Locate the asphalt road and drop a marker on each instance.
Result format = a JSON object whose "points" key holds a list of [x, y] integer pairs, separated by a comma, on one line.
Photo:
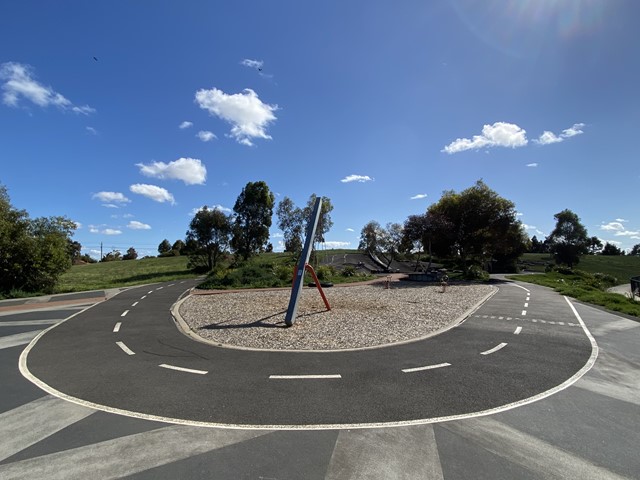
{"points": [[584, 429]]}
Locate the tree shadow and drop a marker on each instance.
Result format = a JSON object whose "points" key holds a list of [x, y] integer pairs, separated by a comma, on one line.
{"points": [[260, 323]]}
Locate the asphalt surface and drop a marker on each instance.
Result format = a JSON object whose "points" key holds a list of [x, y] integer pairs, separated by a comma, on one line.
{"points": [[81, 358], [590, 429]]}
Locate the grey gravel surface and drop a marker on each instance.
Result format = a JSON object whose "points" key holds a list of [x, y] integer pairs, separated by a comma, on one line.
{"points": [[360, 316]]}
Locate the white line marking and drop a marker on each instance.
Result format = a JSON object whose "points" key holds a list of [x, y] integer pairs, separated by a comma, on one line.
{"points": [[494, 349], [124, 314], [500, 318], [526, 305], [518, 330], [159, 288], [560, 323], [302, 377], [143, 297], [528, 298], [519, 286], [134, 304], [428, 367], [149, 293], [508, 318], [125, 349], [524, 312], [182, 369], [10, 341], [116, 329], [29, 323], [171, 285]]}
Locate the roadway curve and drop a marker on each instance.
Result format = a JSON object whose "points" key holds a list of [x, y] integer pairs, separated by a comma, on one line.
{"points": [[121, 356]]}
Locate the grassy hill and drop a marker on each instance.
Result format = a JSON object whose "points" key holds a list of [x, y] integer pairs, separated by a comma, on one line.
{"points": [[123, 273], [622, 267]]}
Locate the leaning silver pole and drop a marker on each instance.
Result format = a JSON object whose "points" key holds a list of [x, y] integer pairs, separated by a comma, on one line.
{"points": [[298, 282]]}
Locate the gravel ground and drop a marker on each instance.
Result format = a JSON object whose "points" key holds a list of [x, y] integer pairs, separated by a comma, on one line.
{"points": [[360, 316]]}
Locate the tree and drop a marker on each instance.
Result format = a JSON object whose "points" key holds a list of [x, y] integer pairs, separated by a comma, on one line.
{"points": [[635, 250], [381, 243], [594, 245], [33, 252], [74, 249], [324, 221], [417, 234], [477, 227], [112, 256], [611, 249], [131, 254], [164, 247], [290, 222], [208, 237], [253, 209], [569, 239], [178, 247]]}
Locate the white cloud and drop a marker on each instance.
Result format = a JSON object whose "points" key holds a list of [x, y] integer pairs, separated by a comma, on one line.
{"points": [[519, 214], [185, 124], [356, 178], [104, 231], [500, 134], [532, 165], [135, 225], [213, 207], [111, 231], [350, 230], [78, 225], [627, 233], [612, 226], [548, 138], [419, 196], [576, 129], [110, 205], [206, 136], [155, 193], [190, 170], [111, 198], [19, 82], [622, 220], [127, 215], [257, 64], [91, 130], [248, 116], [529, 227], [336, 244]]}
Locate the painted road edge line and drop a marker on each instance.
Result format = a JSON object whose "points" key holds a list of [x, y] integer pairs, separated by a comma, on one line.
{"points": [[302, 377], [182, 369], [116, 329], [125, 349], [428, 367], [494, 349]]}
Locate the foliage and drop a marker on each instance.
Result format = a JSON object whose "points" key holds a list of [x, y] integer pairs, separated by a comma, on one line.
{"points": [[620, 267], [291, 223], [33, 252], [253, 209], [112, 256], [131, 254], [178, 247], [476, 226], [611, 249], [210, 232], [164, 247], [324, 221], [86, 258], [635, 250], [569, 239], [74, 248], [594, 245]]}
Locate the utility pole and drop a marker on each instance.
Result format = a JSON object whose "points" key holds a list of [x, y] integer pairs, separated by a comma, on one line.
{"points": [[100, 251]]}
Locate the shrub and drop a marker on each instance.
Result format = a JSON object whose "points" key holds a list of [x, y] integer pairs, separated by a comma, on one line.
{"points": [[349, 271]]}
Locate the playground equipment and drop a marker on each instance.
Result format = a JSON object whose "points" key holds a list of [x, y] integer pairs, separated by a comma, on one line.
{"points": [[303, 265]]}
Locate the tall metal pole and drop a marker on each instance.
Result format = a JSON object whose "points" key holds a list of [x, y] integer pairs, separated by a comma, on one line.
{"points": [[304, 259]]}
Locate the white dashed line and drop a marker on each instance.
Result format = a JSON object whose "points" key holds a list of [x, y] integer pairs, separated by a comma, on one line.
{"points": [[149, 293], [524, 312], [116, 329], [302, 377], [124, 314], [526, 305], [182, 369], [428, 367], [518, 330], [134, 304], [171, 285], [159, 288], [125, 349], [494, 349], [143, 297]]}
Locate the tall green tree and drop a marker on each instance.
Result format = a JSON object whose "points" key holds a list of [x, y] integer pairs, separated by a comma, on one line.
{"points": [[611, 249], [569, 239], [253, 211], [208, 236], [131, 254], [635, 250], [594, 245], [291, 223], [164, 247], [477, 227], [324, 222], [33, 252], [381, 243]]}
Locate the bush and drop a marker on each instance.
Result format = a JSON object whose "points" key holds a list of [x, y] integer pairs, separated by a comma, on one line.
{"points": [[349, 271], [476, 273], [325, 272]]}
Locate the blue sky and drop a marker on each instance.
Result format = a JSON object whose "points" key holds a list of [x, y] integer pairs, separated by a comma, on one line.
{"points": [[128, 116]]}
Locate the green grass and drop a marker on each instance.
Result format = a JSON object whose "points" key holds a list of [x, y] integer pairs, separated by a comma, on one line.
{"points": [[622, 267], [585, 287], [124, 273]]}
